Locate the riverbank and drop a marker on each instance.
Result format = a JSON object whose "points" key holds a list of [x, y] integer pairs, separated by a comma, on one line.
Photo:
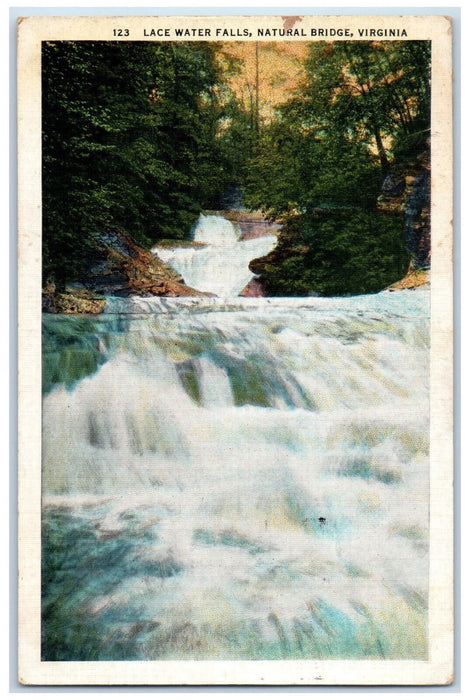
{"points": [[176, 268], [412, 280], [122, 269]]}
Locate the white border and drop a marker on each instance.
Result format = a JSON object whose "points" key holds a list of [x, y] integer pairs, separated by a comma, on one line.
{"points": [[438, 669]]}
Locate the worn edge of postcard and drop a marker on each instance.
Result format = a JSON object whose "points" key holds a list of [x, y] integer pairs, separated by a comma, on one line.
{"points": [[438, 668]]}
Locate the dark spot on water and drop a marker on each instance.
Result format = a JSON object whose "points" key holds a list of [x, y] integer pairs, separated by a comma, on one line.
{"points": [[187, 375], [332, 524], [143, 627], [108, 534], [93, 436]]}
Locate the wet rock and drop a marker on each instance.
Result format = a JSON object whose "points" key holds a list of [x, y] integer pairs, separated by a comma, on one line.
{"points": [[71, 301], [122, 269], [254, 288]]}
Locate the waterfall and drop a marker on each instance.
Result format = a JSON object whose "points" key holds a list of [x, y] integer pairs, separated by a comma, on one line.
{"points": [[221, 267], [237, 478]]}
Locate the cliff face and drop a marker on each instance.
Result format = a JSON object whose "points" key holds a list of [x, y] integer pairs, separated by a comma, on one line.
{"points": [[122, 268], [408, 189]]}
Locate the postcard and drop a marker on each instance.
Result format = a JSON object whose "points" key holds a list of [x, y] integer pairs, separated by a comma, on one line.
{"points": [[235, 350]]}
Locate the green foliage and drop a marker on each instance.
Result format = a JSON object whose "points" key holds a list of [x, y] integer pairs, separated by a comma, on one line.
{"points": [[363, 110], [297, 170], [129, 140], [236, 139], [338, 253], [369, 91], [144, 136]]}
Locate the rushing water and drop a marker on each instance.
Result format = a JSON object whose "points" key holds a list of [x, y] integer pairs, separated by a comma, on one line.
{"points": [[237, 478], [221, 267]]}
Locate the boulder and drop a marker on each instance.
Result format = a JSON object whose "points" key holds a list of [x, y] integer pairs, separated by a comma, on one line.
{"points": [[121, 268]]}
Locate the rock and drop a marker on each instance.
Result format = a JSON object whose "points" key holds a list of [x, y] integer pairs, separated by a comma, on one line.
{"points": [[122, 269], [412, 280], [252, 224], [393, 186], [254, 288], [79, 301], [408, 189], [252, 228], [418, 228]]}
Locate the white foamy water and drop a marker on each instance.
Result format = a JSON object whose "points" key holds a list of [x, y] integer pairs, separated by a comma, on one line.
{"points": [[222, 266], [242, 478]]}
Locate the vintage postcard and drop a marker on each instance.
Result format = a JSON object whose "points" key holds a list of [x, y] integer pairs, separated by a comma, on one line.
{"points": [[235, 348]]}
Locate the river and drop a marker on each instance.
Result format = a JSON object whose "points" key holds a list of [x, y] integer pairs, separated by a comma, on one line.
{"points": [[229, 477]]}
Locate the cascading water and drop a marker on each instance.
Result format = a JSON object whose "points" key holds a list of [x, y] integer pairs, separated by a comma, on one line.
{"points": [[222, 266], [240, 478]]}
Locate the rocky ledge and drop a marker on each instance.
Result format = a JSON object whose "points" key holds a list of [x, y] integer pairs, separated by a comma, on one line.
{"points": [[407, 188], [121, 268], [252, 224], [412, 280]]}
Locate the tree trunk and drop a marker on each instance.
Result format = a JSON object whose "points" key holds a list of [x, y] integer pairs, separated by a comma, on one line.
{"points": [[257, 87], [380, 147]]}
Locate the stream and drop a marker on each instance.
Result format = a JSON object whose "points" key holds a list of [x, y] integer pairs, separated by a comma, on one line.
{"points": [[236, 478]]}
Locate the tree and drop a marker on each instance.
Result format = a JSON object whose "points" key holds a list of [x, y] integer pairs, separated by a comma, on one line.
{"points": [[362, 110], [130, 140], [369, 91]]}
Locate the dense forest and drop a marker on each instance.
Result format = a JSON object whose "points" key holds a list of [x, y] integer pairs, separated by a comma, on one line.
{"points": [[142, 137]]}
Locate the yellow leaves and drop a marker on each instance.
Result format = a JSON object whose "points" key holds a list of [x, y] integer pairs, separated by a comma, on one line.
{"points": [[280, 71]]}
